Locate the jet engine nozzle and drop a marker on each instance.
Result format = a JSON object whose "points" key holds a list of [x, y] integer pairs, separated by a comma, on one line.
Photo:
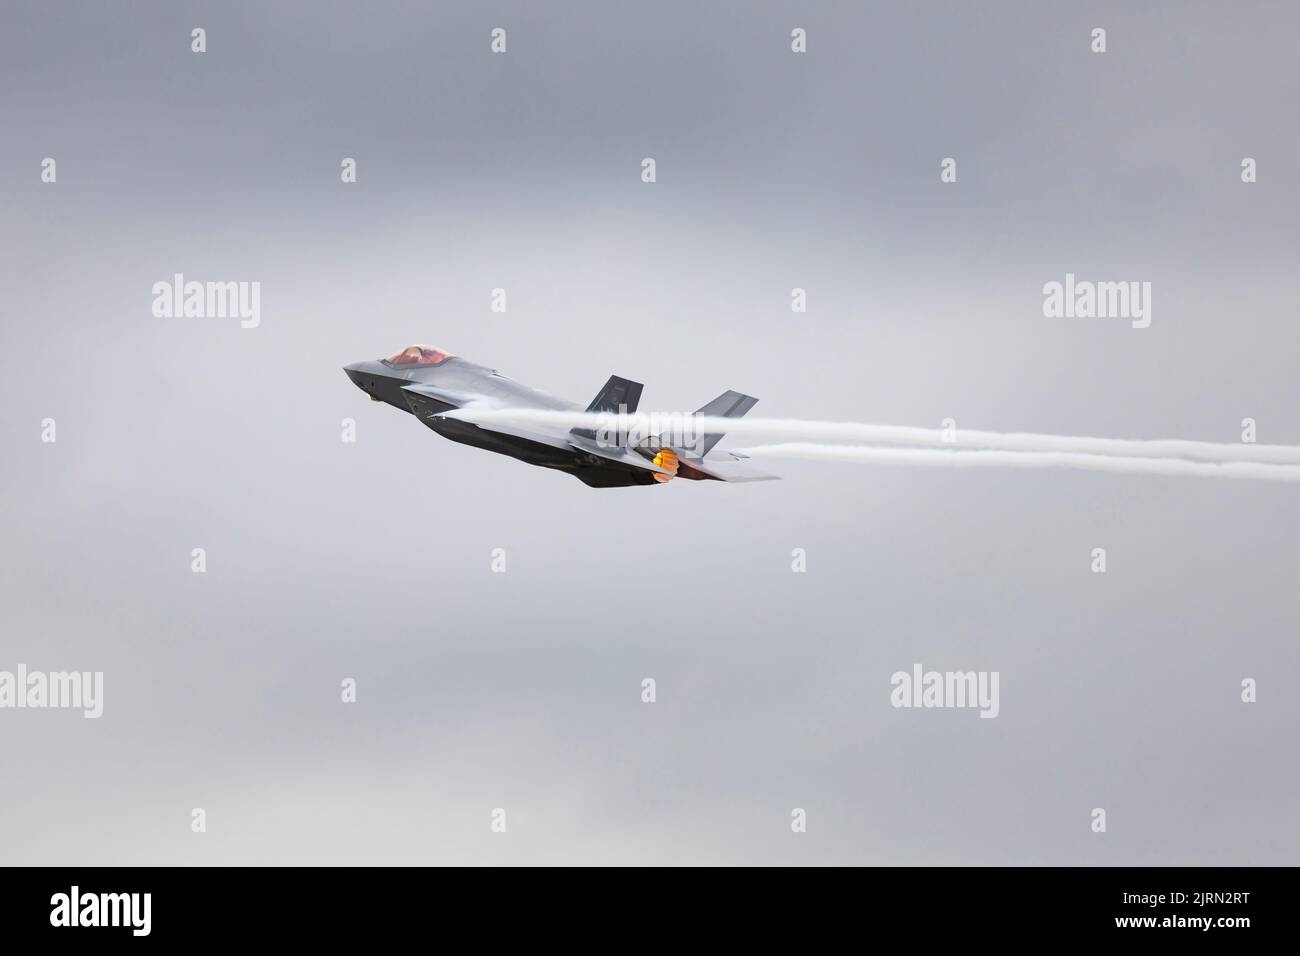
{"points": [[666, 459]]}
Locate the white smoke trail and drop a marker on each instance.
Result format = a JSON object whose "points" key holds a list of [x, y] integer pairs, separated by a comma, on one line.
{"points": [[667, 424], [1026, 459]]}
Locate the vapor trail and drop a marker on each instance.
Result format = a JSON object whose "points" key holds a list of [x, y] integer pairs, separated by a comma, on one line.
{"points": [[666, 424], [1027, 459]]}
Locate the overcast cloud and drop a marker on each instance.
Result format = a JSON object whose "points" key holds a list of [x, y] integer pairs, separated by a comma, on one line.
{"points": [[522, 690]]}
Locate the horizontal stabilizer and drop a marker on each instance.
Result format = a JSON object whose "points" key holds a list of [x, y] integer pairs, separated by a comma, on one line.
{"points": [[726, 467]]}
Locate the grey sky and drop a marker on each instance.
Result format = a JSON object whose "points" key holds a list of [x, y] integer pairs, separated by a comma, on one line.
{"points": [[522, 690]]}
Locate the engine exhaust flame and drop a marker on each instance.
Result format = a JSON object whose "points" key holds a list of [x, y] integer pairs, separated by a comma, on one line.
{"points": [[666, 459]]}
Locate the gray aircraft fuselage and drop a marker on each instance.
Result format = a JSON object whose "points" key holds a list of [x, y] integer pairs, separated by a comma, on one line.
{"points": [[456, 382]]}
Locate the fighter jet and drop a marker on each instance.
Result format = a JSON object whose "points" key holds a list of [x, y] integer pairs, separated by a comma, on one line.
{"points": [[429, 383]]}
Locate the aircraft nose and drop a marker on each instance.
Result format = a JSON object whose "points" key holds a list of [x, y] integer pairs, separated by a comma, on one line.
{"points": [[362, 375], [370, 377]]}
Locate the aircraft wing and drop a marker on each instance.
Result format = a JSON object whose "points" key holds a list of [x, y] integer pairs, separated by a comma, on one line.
{"points": [[428, 407], [728, 466], [566, 440], [621, 454], [430, 403]]}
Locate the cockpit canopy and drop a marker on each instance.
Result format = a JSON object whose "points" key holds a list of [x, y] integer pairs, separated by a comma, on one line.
{"points": [[418, 355]]}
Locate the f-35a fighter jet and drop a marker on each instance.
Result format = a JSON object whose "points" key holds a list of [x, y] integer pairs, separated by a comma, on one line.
{"points": [[429, 383]]}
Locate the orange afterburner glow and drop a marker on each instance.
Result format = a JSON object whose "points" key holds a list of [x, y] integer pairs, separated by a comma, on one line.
{"points": [[666, 459]]}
